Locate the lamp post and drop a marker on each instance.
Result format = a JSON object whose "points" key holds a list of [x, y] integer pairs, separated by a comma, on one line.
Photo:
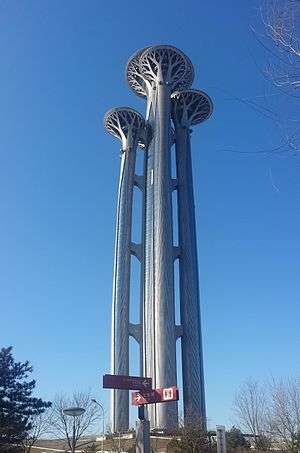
{"points": [[74, 412], [103, 429]]}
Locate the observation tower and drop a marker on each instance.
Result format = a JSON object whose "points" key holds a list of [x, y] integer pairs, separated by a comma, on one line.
{"points": [[163, 75]]}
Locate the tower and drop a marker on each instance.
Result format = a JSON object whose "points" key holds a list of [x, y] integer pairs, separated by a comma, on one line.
{"points": [[163, 75], [190, 107], [125, 124]]}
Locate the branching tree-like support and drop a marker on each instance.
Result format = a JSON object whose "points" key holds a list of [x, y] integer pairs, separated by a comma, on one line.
{"points": [[163, 75]]}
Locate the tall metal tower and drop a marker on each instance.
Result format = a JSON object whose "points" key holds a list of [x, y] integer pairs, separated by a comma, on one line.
{"points": [[163, 75]]}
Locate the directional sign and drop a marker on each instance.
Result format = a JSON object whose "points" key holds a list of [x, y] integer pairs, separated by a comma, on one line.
{"points": [[161, 395], [118, 381]]}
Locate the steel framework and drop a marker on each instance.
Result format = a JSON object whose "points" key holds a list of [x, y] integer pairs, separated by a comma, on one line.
{"points": [[163, 75]]}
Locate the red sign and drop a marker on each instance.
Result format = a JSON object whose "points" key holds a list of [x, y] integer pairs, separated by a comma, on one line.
{"points": [[119, 381], [162, 395]]}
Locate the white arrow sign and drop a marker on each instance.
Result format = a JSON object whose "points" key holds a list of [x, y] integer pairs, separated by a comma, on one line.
{"points": [[138, 398]]}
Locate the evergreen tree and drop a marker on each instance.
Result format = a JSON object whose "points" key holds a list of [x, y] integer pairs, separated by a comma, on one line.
{"points": [[17, 406], [235, 439]]}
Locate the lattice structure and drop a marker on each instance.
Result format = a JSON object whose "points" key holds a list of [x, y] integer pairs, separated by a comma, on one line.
{"points": [[133, 74], [190, 107], [189, 77], [166, 64], [124, 122]]}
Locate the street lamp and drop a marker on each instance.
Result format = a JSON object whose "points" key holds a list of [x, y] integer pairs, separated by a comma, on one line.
{"points": [[103, 429], [74, 412]]}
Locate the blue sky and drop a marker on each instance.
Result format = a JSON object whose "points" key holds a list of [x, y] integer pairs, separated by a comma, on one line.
{"points": [[62, 67]]}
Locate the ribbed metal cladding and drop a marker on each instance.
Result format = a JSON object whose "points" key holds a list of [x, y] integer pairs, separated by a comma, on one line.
{"points": [[165, 341], [159, 312], [148, 267], [121, 291], [163, 68], [190, 107], [126, 125], [192, 361]]}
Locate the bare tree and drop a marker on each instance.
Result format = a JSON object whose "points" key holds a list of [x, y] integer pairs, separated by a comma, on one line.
{"points": [[85, 424], [40, 426], [191, 437], [251, 409], [116, 443], [281, 21], [281, 40], [270, 413], [285, 413]]}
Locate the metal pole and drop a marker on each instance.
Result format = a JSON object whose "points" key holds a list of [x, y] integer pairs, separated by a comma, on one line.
{"points": [[73, 439], [142, 436], [221, 439], [102, 442], [103, 423]]}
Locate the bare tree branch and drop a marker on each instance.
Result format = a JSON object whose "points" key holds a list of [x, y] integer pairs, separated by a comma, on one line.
{"points": [[271, 413], [281, 21], [62, 425], [285, 413], [251, 409], [40, 426]]}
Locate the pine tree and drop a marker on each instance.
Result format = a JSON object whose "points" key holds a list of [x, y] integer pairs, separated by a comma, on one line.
{"points": [[17, 406], [235, 439]]}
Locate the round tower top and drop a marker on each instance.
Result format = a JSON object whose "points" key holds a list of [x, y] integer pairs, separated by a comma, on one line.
{"points": [[124, 123], [160, 63], [167, 64], [133, 74], [190, 107]]}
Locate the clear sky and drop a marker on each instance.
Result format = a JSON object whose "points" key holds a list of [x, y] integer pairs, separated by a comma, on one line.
{"points": [[62, 67]]}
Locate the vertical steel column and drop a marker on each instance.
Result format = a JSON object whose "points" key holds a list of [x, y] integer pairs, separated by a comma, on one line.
{"points": [[159, 313], [125, 124], [121, 290], [192, 361], [154, 73], [189, 107], [164, 316], [163, 67], [148, 301], [142, 88]]}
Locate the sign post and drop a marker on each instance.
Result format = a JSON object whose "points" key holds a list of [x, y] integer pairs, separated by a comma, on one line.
{"points": [[119, 381], [142, 436], [221, 439], [145, 395], [161, 395]]}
